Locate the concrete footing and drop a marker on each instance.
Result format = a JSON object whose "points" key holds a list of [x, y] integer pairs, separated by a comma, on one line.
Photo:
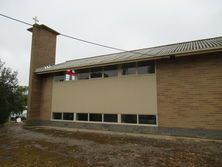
{"points": [[184, 132]]}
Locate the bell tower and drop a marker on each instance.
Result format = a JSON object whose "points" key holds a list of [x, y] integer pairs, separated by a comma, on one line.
{"points": [[43, 52]]}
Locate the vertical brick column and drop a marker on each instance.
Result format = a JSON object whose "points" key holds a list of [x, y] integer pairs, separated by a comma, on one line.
{"points": [[42, 53]]}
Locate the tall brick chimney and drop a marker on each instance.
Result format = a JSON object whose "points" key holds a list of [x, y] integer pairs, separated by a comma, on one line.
{"points": [[42, 54]]}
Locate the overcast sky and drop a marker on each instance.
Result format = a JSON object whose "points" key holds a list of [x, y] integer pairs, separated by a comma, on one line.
{"points": [[126, 24]]}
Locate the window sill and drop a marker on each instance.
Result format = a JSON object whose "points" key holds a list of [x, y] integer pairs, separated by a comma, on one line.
{"points": [[109, 123]]}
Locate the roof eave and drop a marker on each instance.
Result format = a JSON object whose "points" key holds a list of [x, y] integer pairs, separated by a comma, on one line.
{"points": [[203, 51]]}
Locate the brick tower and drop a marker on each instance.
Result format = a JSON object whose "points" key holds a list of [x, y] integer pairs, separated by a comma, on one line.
{"points": [[42, 54]]}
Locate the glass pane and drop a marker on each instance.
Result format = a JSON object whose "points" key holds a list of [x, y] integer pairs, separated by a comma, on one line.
{"points": [[129, 68], [60, 76], [68, 116], [110, 71], [82, 74], [110, 118], [57, 115], [96, 72], [95, 117], [129, 118], [82, 116], [147, 119], [145, 67]]}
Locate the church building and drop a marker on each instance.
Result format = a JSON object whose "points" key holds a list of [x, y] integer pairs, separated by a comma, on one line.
{"points": [[174, 89]]}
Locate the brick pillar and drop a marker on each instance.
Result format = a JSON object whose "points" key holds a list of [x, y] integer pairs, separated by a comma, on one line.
{"points": [[42, 53]]}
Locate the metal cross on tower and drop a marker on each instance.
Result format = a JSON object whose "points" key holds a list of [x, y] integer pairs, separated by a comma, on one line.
{"points": [[35, 19]]}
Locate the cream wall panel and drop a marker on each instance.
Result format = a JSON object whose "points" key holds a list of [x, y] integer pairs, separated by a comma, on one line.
{"points": [[127, 94]]}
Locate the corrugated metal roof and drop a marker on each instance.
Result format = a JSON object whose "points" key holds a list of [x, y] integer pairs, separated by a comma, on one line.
{"points": [[210, 44]]}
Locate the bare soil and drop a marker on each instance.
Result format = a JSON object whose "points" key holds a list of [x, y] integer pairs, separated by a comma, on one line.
{"points": [[38, 146]]}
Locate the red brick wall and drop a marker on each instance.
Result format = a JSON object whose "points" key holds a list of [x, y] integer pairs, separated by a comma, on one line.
{"points": [[189, 92]]}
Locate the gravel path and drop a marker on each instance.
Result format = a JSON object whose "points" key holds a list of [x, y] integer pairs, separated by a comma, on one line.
{"points": [[62, 147]]}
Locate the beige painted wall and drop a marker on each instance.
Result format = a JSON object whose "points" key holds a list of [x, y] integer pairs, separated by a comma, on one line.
{"points": [[127, 94]]}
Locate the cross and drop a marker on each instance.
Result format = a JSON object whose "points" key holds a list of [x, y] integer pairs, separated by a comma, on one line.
{"points": [[35, 19]]}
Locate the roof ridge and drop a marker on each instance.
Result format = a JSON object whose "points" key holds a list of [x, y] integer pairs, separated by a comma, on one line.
{"points": [[196, 40]]}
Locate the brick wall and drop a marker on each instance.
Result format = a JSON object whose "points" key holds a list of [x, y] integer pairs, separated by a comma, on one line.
{"points": [[42, 54], [46, 96], [189, 92]]}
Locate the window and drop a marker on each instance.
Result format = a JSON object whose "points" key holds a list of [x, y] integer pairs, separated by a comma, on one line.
{"points": [[129, 118], [145, 67], [96, 72], [59, 76], [129, 68], [110, 71], [68, 116], [70, 75], [147, 119], [57, 115], [82, 116], [95, 117], [110, 118], [82, 74]]}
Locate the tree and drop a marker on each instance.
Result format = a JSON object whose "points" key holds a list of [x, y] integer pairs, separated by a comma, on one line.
{"points": [[20, 99], [12, 97]]}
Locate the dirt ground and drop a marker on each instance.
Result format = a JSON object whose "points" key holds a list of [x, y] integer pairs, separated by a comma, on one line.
{"points": [[33, 147]]}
